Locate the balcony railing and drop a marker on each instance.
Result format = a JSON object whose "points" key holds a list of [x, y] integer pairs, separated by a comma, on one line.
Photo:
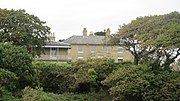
{"points": [[54, 58]]}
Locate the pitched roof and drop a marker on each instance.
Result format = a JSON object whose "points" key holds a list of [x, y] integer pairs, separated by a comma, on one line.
{"points": [[57, 44], [85, 40]]}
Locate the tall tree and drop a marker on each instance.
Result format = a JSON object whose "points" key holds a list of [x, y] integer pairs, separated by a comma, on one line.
{"points": [[23, 29], [152, 38]]}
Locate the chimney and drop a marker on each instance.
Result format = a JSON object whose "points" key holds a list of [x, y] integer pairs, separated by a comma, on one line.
{"points": [[84, 32], [91, 34], [52, 36], [108, 32]]}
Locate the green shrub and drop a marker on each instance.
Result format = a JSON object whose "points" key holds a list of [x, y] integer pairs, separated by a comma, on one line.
{"points": [[81, 97], [38, 94], [89, 74], [30, 94], [142, 83], [55, 77], [5, 95], [7, 79], [17, 60]]}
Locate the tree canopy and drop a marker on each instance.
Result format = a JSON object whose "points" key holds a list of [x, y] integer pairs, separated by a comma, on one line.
{"points": [[23, 29], [17, 60], [100, 33], [152, 38]]}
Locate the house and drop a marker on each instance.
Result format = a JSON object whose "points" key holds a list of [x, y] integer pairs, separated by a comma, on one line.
{"points": [[84, 47], [55, 51]]}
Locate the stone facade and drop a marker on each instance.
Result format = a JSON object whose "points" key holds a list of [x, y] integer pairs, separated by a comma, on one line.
{"points": [[84, 47]]}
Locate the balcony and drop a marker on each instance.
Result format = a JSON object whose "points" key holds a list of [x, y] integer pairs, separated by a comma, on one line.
{"points": [[54, 58]]}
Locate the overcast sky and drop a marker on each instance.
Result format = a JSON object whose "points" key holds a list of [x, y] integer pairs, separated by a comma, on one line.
{"points": [[69, 17]]}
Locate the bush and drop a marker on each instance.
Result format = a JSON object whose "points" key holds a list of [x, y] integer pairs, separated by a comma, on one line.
{"points": [[89, 74], [55, 77], [17, 60], [80, 76], [38, 94], [30, 94], [7, 79], [142, 83], [7, 96]]}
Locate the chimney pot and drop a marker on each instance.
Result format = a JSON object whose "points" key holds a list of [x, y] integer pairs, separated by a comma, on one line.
{"points": [[84, 32]]}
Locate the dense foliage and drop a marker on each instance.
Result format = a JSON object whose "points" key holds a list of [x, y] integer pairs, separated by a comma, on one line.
{"points": [[142, 83], [17, 60], [37, 94], [55, 77], [152, 38], [7, 79], [90, 73], [23, 29], [80, 76]]}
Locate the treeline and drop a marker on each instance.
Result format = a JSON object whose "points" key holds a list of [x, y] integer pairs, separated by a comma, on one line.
{"points": [[23, 79]]}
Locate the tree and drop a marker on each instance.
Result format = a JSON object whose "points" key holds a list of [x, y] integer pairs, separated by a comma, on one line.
{"points": [[58, 74], [89, 74], [152, 38], [100, 33], [18, 61], [143, 83], [23, 29]]}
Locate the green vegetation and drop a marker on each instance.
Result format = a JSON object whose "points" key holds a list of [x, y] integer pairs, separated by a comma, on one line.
{"points": [[30, 94], [152, 38], [142, 83], [101, 33], [151, 77], [23, 29], [18, 63]]}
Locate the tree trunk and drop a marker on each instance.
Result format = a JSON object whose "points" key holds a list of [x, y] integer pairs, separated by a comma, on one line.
{"points": [[136, 60]]}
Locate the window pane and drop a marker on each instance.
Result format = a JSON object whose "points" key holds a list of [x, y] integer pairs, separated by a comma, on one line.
{"points": [[93, 49], [120, 49], [80, 49], [105, 49], [53, 52]]}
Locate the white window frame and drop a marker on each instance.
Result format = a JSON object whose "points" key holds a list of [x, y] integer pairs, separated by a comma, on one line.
{"points": [[120, 58], [80, 58], [100, 57]]}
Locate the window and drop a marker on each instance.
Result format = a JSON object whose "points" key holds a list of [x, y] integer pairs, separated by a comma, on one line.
{"points": [[120, 49], [80, 49], [120, 59], [93, 49], [53, 53], [80, 58], [105, 49]]}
